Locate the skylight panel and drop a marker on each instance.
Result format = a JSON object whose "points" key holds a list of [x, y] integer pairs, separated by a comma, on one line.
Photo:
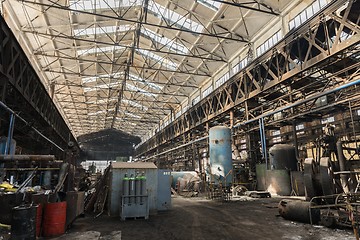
{"points": [[170, 44], [174, 18], [102, 30], [210, 4], [140, 90], [93, 79], [166, 62], [97, 50], [100, 101], [100, 112], [145, 82], [102, 86], [90, 5], [135, 104], [131, 114]]}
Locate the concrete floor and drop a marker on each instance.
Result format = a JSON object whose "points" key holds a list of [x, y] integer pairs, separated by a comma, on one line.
{"points": [[201, 219]]}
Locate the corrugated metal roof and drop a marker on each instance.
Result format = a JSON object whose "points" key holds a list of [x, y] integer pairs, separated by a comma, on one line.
{"points": [[132, 165]]}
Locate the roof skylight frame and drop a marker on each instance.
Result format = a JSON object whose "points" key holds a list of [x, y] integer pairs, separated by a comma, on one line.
{"points": [[173, 17], [104, 76], [132, 114], [168, 43], [102, 30], [140, 90], [102, 86], [135, 104], [158, 10], [171, 44], [88, 5], [145, 82], [210, 4], [158, 59], [97, 50]]}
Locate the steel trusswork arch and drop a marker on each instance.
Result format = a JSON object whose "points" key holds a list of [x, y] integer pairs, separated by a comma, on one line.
{"points": [[321, 54]]}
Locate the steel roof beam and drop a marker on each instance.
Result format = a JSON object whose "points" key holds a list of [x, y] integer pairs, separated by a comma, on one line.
{"points": [[64, 36], [65, 8], [131, 80], [244, 6], [125, 90], [145, 67]]}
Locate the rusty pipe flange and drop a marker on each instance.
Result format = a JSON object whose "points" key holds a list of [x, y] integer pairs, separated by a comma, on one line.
{"points": [[309, 173], [327, 179]]}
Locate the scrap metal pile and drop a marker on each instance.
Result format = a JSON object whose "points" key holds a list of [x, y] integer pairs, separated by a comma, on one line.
{"points": [[331, 187], [39, 192]]}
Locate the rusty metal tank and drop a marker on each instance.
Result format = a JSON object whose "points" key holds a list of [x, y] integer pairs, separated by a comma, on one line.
{"points": [[283, 157], [299, 211], [220, 155]]}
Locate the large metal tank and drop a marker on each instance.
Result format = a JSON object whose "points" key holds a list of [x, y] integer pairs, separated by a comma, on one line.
{"points": [[220, 155], [283, 157]]}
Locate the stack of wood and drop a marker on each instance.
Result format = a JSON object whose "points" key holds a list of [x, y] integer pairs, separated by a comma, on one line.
{"points": [[95, 201]]}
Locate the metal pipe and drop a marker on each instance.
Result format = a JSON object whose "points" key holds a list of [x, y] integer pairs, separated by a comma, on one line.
{"points": [[342, 164], [175, 148], [353, 125], [23, 120], [31, 169], [10, 134], [315, 96], [261, 140], [264, 139], [5, 158]]}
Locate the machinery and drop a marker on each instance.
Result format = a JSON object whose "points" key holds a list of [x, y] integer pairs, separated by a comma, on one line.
{"points": [[330, 173]]}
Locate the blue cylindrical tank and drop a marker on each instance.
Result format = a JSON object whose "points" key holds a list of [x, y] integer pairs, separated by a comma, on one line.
{"points": [[220, 155]]}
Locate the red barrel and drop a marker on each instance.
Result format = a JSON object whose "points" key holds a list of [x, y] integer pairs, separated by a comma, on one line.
{"points": [[38, 219], [54, 219]]}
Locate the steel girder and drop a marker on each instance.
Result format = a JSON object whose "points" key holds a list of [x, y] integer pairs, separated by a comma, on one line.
{"points": [[23, 80], [307, 60]]}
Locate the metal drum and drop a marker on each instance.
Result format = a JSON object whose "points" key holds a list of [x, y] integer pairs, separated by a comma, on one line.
{"points": [[220, 155], [283, 157], [23, 224], [54, 219]]}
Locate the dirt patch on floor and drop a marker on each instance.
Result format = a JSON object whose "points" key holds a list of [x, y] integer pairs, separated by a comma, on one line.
{"points": [[202, 219]]}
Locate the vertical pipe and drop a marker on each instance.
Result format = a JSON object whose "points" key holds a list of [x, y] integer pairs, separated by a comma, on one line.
{"points": [[295, 139], [261, 139], [353, 126], [231, 118], [264, 139], [10, 134], [47, 179], [342, 164]]}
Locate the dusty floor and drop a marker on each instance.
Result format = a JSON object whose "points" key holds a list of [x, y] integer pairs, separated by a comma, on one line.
{"points": [[203, 219]]}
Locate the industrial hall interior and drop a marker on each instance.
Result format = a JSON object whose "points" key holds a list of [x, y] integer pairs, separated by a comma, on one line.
{"points": [[180, 119]]}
